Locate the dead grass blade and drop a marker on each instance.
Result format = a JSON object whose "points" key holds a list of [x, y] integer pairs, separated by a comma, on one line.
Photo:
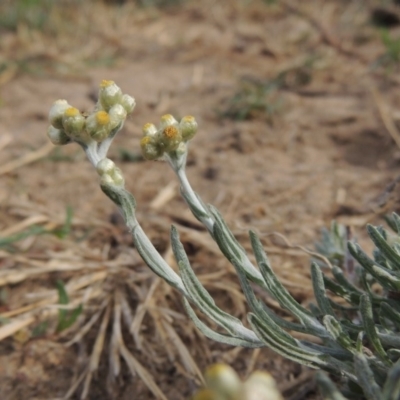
{"points": [[26, 159], [116, 338], [96, 352], [86, 328], [26, 223], [137, 368], [15, 326], [184, 353], [164, 196], [134, 365], [134, 329], [75, 386], [5, 140]]}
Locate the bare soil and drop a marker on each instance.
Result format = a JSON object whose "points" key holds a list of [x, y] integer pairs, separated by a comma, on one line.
{"points": [[318, 143]]}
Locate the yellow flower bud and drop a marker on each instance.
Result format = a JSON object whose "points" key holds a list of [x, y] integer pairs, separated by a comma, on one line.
{"points": [[146, 141], [150, 148], [57, 136], [128, 102], [109, 94], [188, 126], [105, 166], [73, 122], [167, 120], [57, 112], [98, 125], [149, 130], [170, 138], [102, 118], [117, 115]]}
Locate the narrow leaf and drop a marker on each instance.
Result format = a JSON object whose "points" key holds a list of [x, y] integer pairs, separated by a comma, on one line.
{"points": [[369, 326], [391, 389], [383, 246], [366, 378], [218, 337], [197, 294], [390, 313], [384, 276], [268, 333], [319, 290]]}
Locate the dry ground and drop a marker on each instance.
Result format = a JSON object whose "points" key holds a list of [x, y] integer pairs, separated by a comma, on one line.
{"points": [[316, 140]]}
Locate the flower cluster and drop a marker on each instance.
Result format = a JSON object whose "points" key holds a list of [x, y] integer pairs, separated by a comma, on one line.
{"points": [[170, 136], [69, 124]]}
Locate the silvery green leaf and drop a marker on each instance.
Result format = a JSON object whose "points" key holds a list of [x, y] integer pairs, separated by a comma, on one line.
{"points": [[394, 354], [336, 353], [274, 286], [369, 326], [344, 282], [396, 220], [337, 333], [232, 250], [359, 342], [286, 301], [391, 388], [199, 213], [279, 292], [391, 340], [270, 333], [319, 290], [123, 199], [218, 337], [366, 378], [384, 276], [227, 243], [283, 323], [154, 261], [382, 244], [332, 244], [199, 296], [260, 308]]}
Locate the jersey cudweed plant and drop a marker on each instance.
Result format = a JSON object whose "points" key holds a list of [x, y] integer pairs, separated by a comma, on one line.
{"points": [[358, 335]]}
